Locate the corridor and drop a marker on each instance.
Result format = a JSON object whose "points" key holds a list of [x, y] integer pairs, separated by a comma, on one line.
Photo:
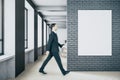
{"points": [[88, 31]]}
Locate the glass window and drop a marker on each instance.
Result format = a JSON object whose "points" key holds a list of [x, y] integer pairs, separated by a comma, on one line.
{"points": [[39, 31], [1, 27], [26, 28], [44, 33], [48, 32]]}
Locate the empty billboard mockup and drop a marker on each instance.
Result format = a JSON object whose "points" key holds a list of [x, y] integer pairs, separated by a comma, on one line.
{"points": [[94, 32]]}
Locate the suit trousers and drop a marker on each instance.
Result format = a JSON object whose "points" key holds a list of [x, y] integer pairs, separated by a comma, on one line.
{"points": [[58, 60]]}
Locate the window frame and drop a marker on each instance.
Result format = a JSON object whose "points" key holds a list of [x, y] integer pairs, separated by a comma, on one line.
{"points": [[2, 40], [26, 29]]}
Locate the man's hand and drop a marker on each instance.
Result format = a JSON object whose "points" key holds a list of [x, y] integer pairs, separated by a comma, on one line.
{"points": [[47, 52]]}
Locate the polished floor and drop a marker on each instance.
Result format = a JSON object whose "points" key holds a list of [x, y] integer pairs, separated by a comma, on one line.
{"points": [[53, 72]]}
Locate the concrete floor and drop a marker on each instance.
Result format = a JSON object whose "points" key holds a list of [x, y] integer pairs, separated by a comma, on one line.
{"points": [[53, 72]]}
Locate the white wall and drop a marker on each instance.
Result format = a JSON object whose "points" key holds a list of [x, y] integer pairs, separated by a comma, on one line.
{"points": [[39, 31], [9, 27], [62, 35], [30, 26]]}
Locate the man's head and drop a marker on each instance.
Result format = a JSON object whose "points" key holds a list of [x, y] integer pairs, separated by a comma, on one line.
{"points": [[54, 27]]}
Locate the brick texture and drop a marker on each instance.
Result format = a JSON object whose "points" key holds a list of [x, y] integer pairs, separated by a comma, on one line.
{"points": [[92, 63]]}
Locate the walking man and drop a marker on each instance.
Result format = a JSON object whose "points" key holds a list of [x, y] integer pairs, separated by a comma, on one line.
{"points": [[53, 51]]}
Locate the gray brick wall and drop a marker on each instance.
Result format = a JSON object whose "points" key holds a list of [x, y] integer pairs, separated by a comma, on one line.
{"points": [[92, 63]]}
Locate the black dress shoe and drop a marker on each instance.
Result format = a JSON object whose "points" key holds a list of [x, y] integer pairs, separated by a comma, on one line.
{"points": [[66, 72], [42, 72]]}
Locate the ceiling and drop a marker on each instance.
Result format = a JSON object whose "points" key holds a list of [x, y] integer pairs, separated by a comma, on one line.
{"points": [[54, 11]]}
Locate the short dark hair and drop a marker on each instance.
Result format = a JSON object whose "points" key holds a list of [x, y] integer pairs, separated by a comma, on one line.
{"points": [[52, 25]]}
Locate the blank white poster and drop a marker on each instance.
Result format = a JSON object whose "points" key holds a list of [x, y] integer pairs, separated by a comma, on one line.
{"points": [[94, 32]]}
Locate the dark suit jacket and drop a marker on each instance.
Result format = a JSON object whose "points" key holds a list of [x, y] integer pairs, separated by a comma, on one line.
{"points": [[53, 44]]}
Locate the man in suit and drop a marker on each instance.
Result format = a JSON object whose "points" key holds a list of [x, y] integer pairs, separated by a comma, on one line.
{"points": [[53, 51]]}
